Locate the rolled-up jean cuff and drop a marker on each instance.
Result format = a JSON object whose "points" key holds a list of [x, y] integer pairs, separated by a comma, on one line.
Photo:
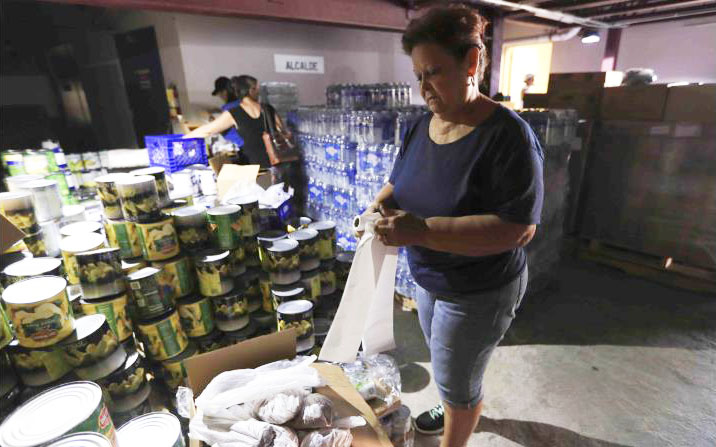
{"points": [[468, 406]]}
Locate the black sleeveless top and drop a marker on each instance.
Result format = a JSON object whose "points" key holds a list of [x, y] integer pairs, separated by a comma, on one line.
{"points": [[251, 130]]}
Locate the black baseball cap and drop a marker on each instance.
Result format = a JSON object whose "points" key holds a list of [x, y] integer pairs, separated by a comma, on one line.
{"points": [[221, 83]]}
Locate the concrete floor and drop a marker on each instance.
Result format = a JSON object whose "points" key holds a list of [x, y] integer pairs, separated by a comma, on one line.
{"points": [[601, 359]]}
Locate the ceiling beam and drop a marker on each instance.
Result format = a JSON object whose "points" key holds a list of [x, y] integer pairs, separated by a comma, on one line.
{"points": [[556, 16], [664, 6], [660, 17]]}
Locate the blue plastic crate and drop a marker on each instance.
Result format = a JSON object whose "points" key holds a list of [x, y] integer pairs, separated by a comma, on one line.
{"points": [[173, 152]]}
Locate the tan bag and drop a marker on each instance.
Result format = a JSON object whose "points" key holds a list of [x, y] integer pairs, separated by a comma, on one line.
{"points": [[279, 147]]}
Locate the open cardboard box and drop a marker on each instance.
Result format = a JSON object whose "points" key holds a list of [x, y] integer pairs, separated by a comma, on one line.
{"points": [[201, 369]]}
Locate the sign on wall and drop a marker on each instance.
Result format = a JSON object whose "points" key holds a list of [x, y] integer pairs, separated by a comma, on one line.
{"points": [[286, 63]]}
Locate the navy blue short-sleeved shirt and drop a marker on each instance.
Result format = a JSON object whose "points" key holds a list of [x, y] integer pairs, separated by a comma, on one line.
{"points": [[495, 169]]}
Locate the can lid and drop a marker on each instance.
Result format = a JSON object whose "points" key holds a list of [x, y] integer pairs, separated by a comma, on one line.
{"points": [[304, 235], [21, 428], [80, 228], [134, 180], [112, 178], [72, 210], [113, 252], [295, 307], [152, 170], [323, 225], [132, 362], [285, 292], [189, 211], [283, 246], [34, 290], [208, 256], [271, 235], [32, 267], [345, 257], [156, 429], [244, 200], [78, 243], [143, 273], [86, 327], [39, 184], [84, 439], [224, 210], [14, 195]]}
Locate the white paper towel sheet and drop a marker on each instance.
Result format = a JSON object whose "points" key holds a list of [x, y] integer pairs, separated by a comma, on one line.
{"points": [[366, 310]]}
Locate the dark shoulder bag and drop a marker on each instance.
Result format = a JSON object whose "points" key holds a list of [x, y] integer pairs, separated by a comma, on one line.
{"points": [[279, 147]]}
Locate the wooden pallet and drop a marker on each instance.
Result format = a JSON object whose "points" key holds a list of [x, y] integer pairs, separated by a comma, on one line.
{"points": [[654, 268]]}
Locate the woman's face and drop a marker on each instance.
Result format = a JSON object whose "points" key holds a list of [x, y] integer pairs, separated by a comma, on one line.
{"points": [[442, 79], [254, 92]]}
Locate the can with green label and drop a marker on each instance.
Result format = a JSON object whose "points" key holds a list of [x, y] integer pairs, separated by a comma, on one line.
{"points": [[123, 235], [38, 366], [115, 309], [158, 239], [177, 273], [150, 298], [196, 315], [163, 336], [12, 162], [225, 226], [173, 371]]}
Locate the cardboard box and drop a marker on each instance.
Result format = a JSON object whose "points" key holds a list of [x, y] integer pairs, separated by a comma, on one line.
{"points": [[9, 234], [202, 368], [535, 101], [692, 103], [579, 91], [643, 102]]}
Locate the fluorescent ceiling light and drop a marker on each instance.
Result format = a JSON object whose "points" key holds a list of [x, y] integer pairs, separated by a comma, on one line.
{"points": [[590, 36]]}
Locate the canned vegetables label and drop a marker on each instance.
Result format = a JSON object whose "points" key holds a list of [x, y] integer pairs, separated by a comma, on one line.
{"points": [[196, 318], [266, 298], [36, 245], [92, 349], [230, 307], [313, 286], [225, 230], [139, 203], [6, 334], [116, 313], [51, 361], [214, 279], [127, 386], [178, 276], [124, 235], [42, 325], [303, 323], [165, 338], [328, 280], [159, 240], [193, 236], [24, 219], [149, 299], [326, 247], [71, 268], [99, 422], [109, 197], [174, 373]]}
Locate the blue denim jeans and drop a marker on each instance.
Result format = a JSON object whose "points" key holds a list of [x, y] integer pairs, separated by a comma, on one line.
{"points": [[463, 332]]}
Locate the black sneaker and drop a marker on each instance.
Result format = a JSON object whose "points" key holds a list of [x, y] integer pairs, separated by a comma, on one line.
{"points": [[431, 422]]}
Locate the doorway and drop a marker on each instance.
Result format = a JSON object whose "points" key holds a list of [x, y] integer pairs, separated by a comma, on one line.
{"points": [[520, 60]]}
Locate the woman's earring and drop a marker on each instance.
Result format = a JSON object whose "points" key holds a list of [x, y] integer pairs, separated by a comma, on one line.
{"points": [[471, 81]]}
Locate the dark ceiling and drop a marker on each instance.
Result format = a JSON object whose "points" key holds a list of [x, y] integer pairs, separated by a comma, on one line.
{"points": [[608, 13]]}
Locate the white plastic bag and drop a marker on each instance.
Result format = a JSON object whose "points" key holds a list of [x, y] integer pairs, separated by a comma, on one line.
{"points": [[280, 408], [328, 438], [317, 412]]}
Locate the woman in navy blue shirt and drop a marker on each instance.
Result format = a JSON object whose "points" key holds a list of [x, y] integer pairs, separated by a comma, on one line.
{"points": [[465, 196]]}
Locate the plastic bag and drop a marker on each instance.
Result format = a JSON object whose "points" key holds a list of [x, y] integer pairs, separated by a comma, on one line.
{"points": [[327, 438], [281, 407], [317, 412], [375, 377]]}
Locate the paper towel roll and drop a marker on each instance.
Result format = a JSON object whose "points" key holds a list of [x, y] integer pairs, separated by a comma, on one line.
{"points": [[365, 222]]}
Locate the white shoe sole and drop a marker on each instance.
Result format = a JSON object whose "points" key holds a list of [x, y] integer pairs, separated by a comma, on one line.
{"points": [[427, 432]]}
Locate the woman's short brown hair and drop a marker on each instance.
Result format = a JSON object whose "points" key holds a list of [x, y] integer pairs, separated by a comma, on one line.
{"points": [[456, 28]]}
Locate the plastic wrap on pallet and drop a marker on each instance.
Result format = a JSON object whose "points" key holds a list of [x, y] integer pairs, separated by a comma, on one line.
{"points": [[650, 187]]}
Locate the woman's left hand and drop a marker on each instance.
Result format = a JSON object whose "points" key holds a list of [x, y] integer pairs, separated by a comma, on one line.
{"points": [[398, 228]]}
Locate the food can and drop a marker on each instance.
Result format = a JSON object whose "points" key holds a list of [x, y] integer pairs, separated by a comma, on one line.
{"points": [[264, 320], [344, 260], [264, 240], [265, 286], [174, 205], [74, 162], [6, 333], [213, 268], [237, 266], [251, 250], [82, 440], [233, 337], [283, 262], [125, 380], [158, 239], [298, 223], [30, 267], [284, 294], [38, 366], [328, 277], [51, 237], [163, 336], [312, 283], [45, 198], [129, 402], [14, 183], [91, 160], [100, 273], [160, 178], [326, 238], [130, 266], [88, 414], [74, 294], [145, 407], [114, 308], [130, 346], [231, 311], [123, 235], [19, 210], [173, 371], [307, 248], [253, 290], [93, 349], [35, 244], [179, 274], [39, 310], [250, 216], [192, 227], [150, 297], [209, 342], [80, 228], [73, 213], [139, 198], [13, 163], [321, 326], [225, 226], [35, 162], [72, 245], [196, 315], [153, 429], [298, 315]]}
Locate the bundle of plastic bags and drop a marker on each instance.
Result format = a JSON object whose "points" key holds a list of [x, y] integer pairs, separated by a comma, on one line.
{"points": [[375, 377]]}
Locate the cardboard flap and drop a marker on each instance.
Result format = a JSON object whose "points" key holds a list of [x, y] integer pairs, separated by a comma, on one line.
{"points": [[231, 174], [9, 234], [201, 369]]}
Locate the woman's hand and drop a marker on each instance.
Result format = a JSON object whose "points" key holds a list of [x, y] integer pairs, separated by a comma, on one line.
{"points": [[398, 228], [372, 208]]}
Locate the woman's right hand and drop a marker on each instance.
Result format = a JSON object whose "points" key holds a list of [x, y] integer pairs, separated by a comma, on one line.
{"points": [[372, 208]]}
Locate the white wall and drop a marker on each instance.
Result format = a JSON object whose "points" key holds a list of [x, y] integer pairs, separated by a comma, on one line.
{"points": [[215, 46]]}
